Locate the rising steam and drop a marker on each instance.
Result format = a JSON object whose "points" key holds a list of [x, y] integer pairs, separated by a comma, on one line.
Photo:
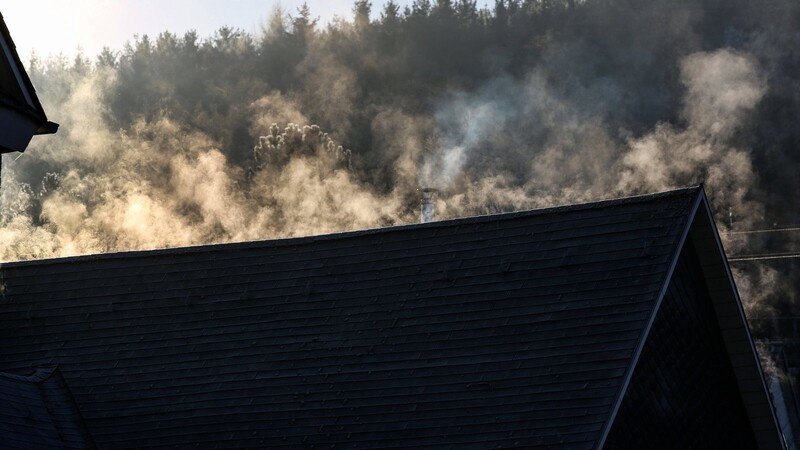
{"points": [[182, 158], [511, 145]]}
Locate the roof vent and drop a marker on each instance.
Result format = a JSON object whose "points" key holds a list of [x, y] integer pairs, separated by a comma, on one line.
{"points": [[428, 202]]}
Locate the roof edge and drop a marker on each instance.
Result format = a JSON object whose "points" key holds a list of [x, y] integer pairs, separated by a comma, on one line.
{"points": [[41, 373], [700, 196], [734, 291], [47, 128], [37, 110], [65, 416], [301, 240]]}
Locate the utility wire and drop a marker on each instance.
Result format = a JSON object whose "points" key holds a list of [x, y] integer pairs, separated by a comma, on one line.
{"points": [[763, 257], [775, 230]]}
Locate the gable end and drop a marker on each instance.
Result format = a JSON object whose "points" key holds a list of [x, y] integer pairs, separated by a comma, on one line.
{"points": [[701, 236], [733, 325], [684, 374]]}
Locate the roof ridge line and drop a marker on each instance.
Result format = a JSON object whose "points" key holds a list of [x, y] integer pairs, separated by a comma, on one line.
{"points": [[301, 240]]}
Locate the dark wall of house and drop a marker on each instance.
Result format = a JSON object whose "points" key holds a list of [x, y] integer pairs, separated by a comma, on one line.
{"points": [[683, 393]]}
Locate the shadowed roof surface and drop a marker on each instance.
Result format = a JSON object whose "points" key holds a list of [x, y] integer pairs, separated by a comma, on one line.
{"points": [[496, 331], [37, 412]]}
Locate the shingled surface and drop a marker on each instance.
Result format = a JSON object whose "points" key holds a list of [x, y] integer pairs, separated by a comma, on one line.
{"points": [[38, 412], [512, 330]]}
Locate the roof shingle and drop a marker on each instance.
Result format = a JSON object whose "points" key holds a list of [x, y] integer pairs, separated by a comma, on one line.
{"points": [[506, 330], [38, 412]]}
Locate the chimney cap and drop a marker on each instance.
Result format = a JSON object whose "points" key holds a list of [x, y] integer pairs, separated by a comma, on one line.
{"points": [[428, 210]]}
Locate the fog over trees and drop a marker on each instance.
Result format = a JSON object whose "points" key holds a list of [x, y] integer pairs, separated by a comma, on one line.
{"points": [[312, 128]]}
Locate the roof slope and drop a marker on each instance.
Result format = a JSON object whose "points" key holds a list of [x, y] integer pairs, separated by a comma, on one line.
{"points": [[507, 330], [21, 113], [38, 412]]}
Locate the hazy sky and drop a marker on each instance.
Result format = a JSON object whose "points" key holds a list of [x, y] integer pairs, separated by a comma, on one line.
{"points": [[63, 26]]}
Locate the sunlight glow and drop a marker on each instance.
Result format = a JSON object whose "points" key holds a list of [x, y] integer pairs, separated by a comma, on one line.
{"points": [[53, 27]]}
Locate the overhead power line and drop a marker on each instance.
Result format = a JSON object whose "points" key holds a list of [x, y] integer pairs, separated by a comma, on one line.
{"points": [[774, 230], [763, 257]]}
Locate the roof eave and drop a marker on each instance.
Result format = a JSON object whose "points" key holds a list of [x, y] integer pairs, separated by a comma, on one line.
{"points": [[32, 108], [17, 130], [47, 128], [736, 334]]}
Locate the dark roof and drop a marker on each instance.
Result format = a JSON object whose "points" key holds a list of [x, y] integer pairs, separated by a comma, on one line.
{"points": [[518, 329], [21, 113], [38, 412]]}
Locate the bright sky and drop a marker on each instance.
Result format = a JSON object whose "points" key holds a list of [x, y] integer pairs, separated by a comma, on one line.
{"points": [[51, 27]]}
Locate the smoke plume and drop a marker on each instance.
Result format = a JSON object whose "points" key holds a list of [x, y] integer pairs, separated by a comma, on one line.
{"points": [[178, 141]]}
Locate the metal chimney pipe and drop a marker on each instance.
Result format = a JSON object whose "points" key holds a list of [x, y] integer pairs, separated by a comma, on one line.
{"points": [[428, 201]]}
